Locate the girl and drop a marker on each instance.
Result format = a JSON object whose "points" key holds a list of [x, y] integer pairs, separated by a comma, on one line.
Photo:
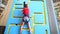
{"points": [[25, 18]]}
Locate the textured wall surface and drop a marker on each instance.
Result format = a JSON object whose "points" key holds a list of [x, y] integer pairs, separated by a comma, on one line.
{"points": [[6, 13]]}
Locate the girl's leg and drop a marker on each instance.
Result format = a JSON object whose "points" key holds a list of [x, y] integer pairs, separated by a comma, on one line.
{"points": [[29, 27], [21, 27]]}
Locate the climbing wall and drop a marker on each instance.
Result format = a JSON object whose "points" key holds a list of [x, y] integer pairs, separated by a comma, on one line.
{"points": [[38, 17]]}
